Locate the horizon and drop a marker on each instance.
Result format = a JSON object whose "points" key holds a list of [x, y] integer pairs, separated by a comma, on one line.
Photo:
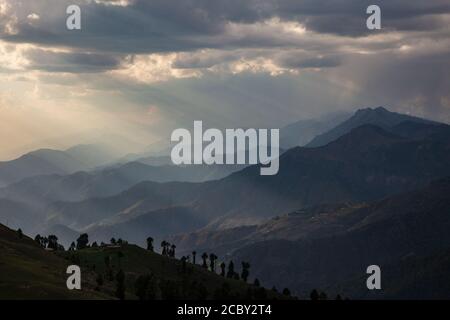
{"points": [[118, 154]]}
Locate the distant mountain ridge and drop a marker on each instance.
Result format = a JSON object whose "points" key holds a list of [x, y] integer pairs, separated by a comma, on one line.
{"points": [[302, 132], [401, 230], [380, 117], [368, 163], [48, 161]]}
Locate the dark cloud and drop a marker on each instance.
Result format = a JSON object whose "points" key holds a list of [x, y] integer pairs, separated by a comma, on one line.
{"points": [[235, 29], [165, 26], [295, 61], [71, 61]]}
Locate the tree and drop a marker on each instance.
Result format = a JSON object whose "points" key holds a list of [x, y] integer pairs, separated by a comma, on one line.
{"points": [[212, 262], [20, 233], [193, 256], [94, 244], [52, 242], [256, 283], [172, 251], [314, 295], [222, 269], [82, 241], [120, 285], [286, 292], [113, 241], [44, 241], [150, 244], [164, 245], [245, 273], [230, 273], [72, 246], [38, 239], [204, 257]]}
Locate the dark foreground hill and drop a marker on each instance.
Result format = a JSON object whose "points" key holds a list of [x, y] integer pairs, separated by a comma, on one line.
{"points": [[28, 271]]}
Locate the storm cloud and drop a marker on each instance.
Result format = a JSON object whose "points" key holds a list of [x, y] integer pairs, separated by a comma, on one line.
{"points": [[159, 64]]}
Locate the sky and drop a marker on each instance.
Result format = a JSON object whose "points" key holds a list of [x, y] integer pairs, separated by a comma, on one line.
{"points": [[138, 69]]}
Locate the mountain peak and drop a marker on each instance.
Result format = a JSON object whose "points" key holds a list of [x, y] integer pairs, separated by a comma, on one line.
{"points": [[379, 109], [379, 116]]}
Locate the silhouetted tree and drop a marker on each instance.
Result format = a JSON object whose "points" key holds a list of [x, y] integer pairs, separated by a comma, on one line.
{"points": [[44, 242], [113, 241], [256, 283], [20, 233], [204, 257], [150, 244], [120, 285], [164, 245], [172, 251], [245, 273], [82, 241], [120, 242], [193, 256], [212, 262], [222, 269], [52, 242], [314, 295], [286, 292], [38, 239], [274, 289], [94, 244], [60, 247], [230, 273], [72, 246]]}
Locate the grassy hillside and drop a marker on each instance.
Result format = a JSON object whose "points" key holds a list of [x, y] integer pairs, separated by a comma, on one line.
{"points": [[170, 278], [27, 271]]}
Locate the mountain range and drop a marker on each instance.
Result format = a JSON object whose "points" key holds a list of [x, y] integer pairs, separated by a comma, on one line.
{"points": [[367, 164], [368, 190]]}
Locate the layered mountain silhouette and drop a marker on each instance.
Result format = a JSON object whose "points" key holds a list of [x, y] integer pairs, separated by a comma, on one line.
{"points": [[109, 181], [302, 132], [47, 161], [367, 164], [398, 233], [368, 191], [380, 117]]}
